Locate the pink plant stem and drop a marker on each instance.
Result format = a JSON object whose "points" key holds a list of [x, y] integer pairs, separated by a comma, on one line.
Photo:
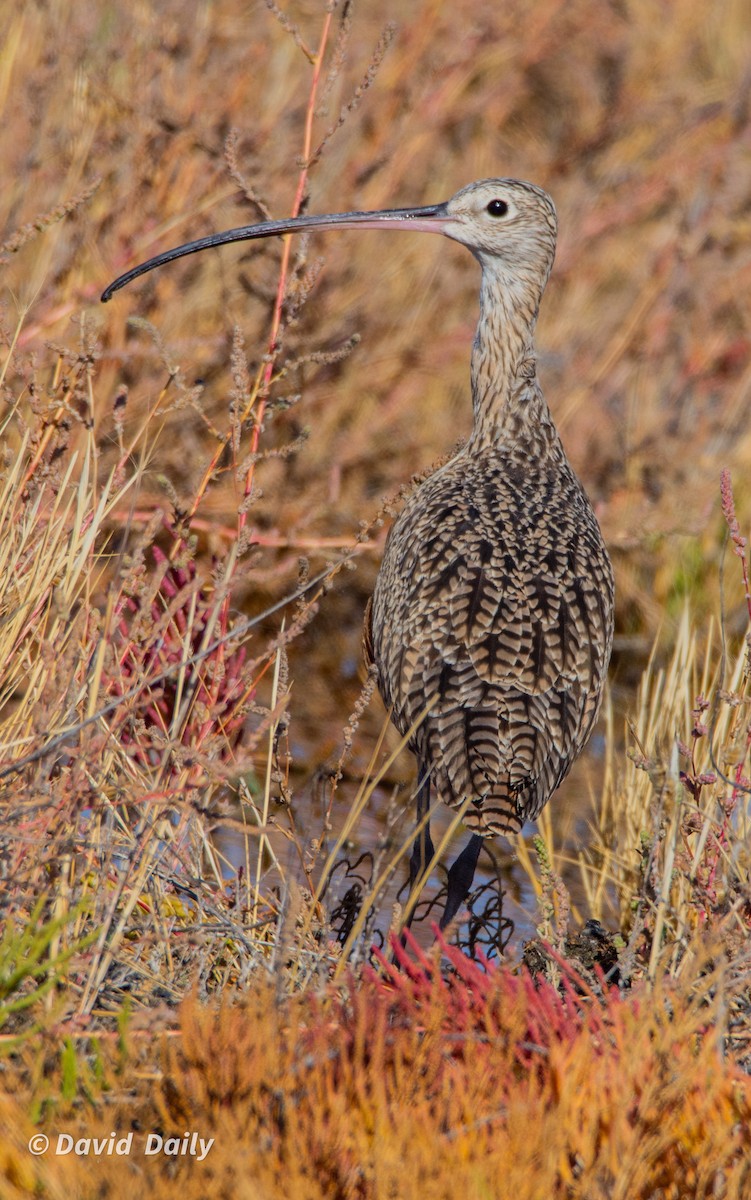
{"points": [[721, 841], [739, 548], [268, 369], [142, 516], [276, 321], [739, 542]]}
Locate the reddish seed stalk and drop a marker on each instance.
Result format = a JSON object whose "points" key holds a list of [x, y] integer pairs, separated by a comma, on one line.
{"points": [[142, 516], [739, 542], [276, 321], [741, 783], [262, 385], [722, 839]]}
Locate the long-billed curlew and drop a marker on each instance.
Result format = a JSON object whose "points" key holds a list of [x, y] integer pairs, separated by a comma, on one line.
{"points": [[491, 623]]}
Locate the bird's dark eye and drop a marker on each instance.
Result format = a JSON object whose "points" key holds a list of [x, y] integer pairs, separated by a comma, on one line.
{"points": [[498, 208]]}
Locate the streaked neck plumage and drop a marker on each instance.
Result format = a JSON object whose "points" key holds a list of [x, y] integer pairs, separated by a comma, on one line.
{"points": [[509, 407]]}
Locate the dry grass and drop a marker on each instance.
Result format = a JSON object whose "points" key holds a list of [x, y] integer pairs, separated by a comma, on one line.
{"points": [[193, 490], [416, 1086]]}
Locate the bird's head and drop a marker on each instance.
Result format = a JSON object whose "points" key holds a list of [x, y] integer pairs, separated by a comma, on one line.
{"points": [[508, 225], [505, 220]]}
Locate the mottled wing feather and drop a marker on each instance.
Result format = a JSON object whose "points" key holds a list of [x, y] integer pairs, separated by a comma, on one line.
{"points": [[501, 613], [367, 633]]}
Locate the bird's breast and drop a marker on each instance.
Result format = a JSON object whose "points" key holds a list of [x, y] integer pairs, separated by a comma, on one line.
{"points": [[496, 564]]}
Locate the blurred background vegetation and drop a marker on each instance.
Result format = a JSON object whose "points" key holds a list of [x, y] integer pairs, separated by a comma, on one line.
{"points": [[634, 116], [234, 426], [152, 124]]}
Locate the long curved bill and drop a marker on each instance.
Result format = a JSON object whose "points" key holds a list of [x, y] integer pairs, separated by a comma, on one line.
{"points": [[429, 219]]}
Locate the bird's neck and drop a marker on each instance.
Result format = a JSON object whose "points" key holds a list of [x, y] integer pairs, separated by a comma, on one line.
{"points": [[509, 407]]}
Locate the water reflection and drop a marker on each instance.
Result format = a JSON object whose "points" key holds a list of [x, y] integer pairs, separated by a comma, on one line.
{"points": [[504, 907]]}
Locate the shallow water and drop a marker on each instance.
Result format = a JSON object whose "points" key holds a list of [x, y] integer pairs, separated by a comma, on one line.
{"points": [[387, 822], [326, 676]]}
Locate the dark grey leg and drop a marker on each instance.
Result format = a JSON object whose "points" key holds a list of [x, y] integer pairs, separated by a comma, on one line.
{"points": [[461, 874], [422, 851]]}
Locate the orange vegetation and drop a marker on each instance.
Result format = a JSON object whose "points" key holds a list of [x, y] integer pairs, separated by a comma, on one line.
{"points": [[479, 1085], [194, 487]]}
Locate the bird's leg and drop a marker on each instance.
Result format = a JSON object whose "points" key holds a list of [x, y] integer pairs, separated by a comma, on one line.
{"points": [[422, 850], [461, 874]]}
